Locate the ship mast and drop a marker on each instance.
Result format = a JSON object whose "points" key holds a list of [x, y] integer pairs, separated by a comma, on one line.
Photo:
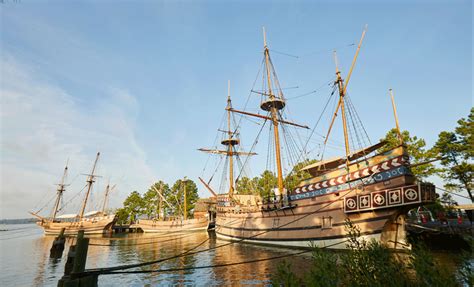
{"points": [[342, 87], [61, 189], [185, 211], [160, 202], [400, 138], [90, 181], [230, 152], [230, 142], [108, 189], [273, 105]]}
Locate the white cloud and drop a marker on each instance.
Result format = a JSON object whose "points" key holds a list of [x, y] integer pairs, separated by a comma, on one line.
{"points": [[43, 125]]}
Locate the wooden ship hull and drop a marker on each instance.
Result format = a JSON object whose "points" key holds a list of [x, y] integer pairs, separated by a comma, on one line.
{"points": [[94, 225], [150, 225], [375, 195]]}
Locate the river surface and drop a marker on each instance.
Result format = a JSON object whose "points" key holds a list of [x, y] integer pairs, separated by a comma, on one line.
{"points": [[24, 259]]}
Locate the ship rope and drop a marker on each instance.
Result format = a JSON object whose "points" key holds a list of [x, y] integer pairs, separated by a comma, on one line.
{"points": [[223, 182], [304, 152], [453, 193], [46, 204], [112, 272], [106, 270], [252, 148], [129, 266], [72, 198]]}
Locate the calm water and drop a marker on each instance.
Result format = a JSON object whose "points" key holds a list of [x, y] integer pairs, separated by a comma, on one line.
{"points": [[24, 259]]}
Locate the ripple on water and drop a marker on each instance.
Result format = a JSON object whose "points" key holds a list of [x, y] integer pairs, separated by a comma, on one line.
{"points": [[25, 259]]}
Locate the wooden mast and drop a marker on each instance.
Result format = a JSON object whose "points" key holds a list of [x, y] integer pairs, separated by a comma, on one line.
{"points": [[185, 210], [108, 189], [162, 197], [342, 87], [90, 181], [274, 105], [208, 187], [61, 189], [230, 146], [160, 203], [400, 138]]}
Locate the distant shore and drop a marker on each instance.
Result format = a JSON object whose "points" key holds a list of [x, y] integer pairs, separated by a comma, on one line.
{"points": [[18, 221]]}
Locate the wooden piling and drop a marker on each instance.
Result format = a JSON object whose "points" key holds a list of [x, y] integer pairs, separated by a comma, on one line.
{"points": [[70, 260], [82, 247], [79, 254], [57, 248]]}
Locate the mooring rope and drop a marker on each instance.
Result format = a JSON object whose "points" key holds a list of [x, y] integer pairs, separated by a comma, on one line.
{"points": [[188, 252], [122, 267], [87, 272]]}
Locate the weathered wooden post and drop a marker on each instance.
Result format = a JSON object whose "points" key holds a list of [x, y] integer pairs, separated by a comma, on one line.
{"points": [[82, 246], [70, 260], [58, 245], [80, 257]]}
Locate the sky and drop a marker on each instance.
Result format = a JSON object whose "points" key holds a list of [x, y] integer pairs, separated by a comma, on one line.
{"points": [[145, 82]]}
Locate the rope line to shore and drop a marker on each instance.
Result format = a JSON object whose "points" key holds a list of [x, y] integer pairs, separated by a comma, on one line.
{"points": [[112, 272], [129, 266], [122, 267]]}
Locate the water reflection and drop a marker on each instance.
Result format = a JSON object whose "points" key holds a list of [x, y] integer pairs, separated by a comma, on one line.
{"points": [[25, 259]]}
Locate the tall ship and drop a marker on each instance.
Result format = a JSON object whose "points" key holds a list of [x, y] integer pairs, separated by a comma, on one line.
{"points": [[370, 185], [93, 222], [181, 223]]}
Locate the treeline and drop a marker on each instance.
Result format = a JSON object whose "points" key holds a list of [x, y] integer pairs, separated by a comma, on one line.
{"points": [[152, 205]]}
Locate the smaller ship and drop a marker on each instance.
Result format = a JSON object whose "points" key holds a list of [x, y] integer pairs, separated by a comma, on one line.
{"points": [[174, 223], [94, 222]]}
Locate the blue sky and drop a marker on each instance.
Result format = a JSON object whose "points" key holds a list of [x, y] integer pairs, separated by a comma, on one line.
{"points": [[145, 82]]}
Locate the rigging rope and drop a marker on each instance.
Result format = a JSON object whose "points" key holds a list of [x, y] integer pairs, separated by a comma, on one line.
{"points": [[453, 193], [70, 200], [317, 122]]}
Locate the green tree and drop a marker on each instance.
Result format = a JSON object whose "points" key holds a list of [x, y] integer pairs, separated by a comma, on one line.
{"points": [[176, 196], [297, 175], [134, 206], [152, 200], [417, 151], [457, 152], [266, 183], [246, 185], [122, 216]]}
